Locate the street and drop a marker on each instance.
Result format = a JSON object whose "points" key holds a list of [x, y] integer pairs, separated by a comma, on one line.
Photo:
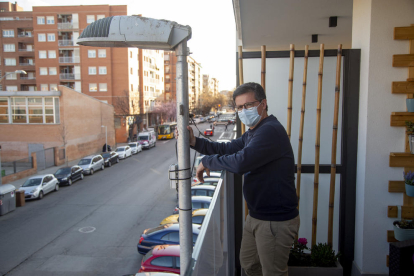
{"points": [[93, 226]]}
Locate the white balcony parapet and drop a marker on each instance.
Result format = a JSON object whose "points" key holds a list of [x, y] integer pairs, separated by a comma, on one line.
{"points": [[69, 59], [65, 25], [69, 76], [26, 50], [26, 64], [66, 42]]}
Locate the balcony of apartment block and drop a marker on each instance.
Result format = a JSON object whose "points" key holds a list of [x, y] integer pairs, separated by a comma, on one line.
{"points": [[66, 22], [151, 80], [69, 59], [31, 87], [167, 80], [26, 64], [28, 79], [69, 84], [151, 66], [167, 71], [25, 35], [69, 76], [26, 50], [167, 89]]}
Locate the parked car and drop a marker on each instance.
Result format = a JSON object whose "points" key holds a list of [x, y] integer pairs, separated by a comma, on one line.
{"points": [[110, 158], [202, 120], [203, 190], [197, 217], [213, 174], [162, 258], [163, 234], [135, 147], [68, 175], [124, 152], [92, 163], [209, 132], [39, 185], [232, 121], [207, 181], [197, 202]]}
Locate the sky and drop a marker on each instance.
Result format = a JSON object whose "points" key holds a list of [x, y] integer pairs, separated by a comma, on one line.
{"points": [[213, 42]]}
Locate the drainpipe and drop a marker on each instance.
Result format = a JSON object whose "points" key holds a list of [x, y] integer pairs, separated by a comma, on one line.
{"points": [[183, 149]]}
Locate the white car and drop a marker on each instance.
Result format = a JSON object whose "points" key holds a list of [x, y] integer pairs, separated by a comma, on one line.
{"points": [[39, 185], [135, 147], [124, 151]]}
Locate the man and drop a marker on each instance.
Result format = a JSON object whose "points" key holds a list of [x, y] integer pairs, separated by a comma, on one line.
{"points": [[264, 156]]}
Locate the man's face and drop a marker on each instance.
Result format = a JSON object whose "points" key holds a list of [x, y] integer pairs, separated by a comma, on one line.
{"points": [[249, 98]]}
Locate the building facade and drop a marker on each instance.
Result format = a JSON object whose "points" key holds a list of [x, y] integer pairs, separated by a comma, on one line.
{"points": [[210, 85]]}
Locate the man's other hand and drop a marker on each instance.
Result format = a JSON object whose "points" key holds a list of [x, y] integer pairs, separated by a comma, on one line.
{"points": [[200, 171], [192, 137]]}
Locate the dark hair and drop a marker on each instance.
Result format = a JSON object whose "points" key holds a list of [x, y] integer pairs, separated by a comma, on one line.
{"points": [[257, 89]]}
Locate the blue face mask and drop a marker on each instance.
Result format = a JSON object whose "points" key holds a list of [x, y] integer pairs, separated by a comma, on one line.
{"points": [[250, 117]]}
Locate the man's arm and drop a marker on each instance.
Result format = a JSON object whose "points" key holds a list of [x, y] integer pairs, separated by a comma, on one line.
{"points": [[266, 145], [207, 147]]}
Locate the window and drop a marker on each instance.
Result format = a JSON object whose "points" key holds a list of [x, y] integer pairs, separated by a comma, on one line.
{"points": [[90, 19], [93, 87], [50, 37], [198, 219], [40, 20], [44, 87], [8, 33], [92, 70], [4, 111], [103, 87], [42, 54], [10, 61], [172, 236], [130, 70], [130, 54], [52, 53], [53, 87], [18, 106], [100, 16], [91, 53], [50, 20], [11, 88], [102, 53], [43, 71], [132, 87], [165, 261], [41, 37], [102, 70], [52, 71], [11, 76], [9, 48]]}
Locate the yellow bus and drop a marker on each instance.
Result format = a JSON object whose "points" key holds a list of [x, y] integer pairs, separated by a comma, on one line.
{"points": [[166, 131]]}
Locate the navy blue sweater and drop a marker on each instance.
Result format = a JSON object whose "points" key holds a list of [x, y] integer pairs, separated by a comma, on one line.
{"points": [[264, 155]]}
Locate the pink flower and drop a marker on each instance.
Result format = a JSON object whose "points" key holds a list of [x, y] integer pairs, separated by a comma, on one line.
{"points": [[303, 241]]}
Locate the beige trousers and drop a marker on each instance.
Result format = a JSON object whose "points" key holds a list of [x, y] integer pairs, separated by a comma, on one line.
{"points": [[266, 245]]}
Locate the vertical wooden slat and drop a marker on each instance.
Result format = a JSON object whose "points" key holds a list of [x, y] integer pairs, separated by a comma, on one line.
{"points": [[334, 145], [241, 79], [317, 147], [302, 122], [290, 90], [263, 73]]}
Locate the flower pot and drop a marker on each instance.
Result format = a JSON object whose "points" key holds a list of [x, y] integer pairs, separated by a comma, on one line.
{"points": [[409, 190], [402, 234], [410, 105], [316, 271]]}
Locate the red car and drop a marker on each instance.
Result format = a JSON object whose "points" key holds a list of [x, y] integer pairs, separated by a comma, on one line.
{"points": [[162, 258], [209, 132]]}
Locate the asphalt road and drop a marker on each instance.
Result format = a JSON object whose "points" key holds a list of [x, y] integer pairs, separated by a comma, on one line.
{"points": [[93, 226]]}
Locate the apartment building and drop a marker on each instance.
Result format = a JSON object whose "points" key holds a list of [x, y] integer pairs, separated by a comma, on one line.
{"points": [[17, 48], [195, 85], [210, 85]]}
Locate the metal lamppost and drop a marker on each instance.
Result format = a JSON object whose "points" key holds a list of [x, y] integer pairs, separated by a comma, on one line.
{"points": [[148, 33], [106, 138], [15, 72]]}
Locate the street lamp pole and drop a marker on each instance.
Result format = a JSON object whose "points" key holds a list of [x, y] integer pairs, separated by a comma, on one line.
{"points": [[15, 72], [106, 138]]}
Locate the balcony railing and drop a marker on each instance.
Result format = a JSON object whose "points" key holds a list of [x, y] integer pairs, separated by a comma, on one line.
{"points": [[26, 50], [69, 59], [69, 76], [66, 42], [27, 78], [25, 35], [65, 25], [26, 64]]}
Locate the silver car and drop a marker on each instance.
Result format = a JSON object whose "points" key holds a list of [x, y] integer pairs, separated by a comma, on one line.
{"points": [[39, 185], [92, 163], [135, 147]]}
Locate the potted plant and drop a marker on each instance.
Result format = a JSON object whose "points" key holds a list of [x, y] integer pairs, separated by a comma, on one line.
{"points": [[322, 260], [410, 132], [403, 230], [409, 183]]}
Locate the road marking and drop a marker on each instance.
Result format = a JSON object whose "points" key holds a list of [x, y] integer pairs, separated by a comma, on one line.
{"points": [[87, 229], [166, 141], [155, 171]]}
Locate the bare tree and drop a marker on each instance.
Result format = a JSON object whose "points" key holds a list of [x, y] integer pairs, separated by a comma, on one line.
{"points": [[209, 102], [167, 111], [128, 106]]}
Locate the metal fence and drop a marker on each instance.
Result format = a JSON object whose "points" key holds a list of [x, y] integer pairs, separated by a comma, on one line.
{"points": [[8, 168]]}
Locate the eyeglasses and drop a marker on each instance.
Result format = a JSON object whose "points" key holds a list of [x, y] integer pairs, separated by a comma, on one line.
{"points": [[247, 106]]}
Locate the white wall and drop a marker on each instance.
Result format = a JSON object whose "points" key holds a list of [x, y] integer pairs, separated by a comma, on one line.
{"points": [[277, 75], [373, 26]]}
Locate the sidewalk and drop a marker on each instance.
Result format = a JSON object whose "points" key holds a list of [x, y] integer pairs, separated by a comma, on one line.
{"points": [[50, 170]]}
